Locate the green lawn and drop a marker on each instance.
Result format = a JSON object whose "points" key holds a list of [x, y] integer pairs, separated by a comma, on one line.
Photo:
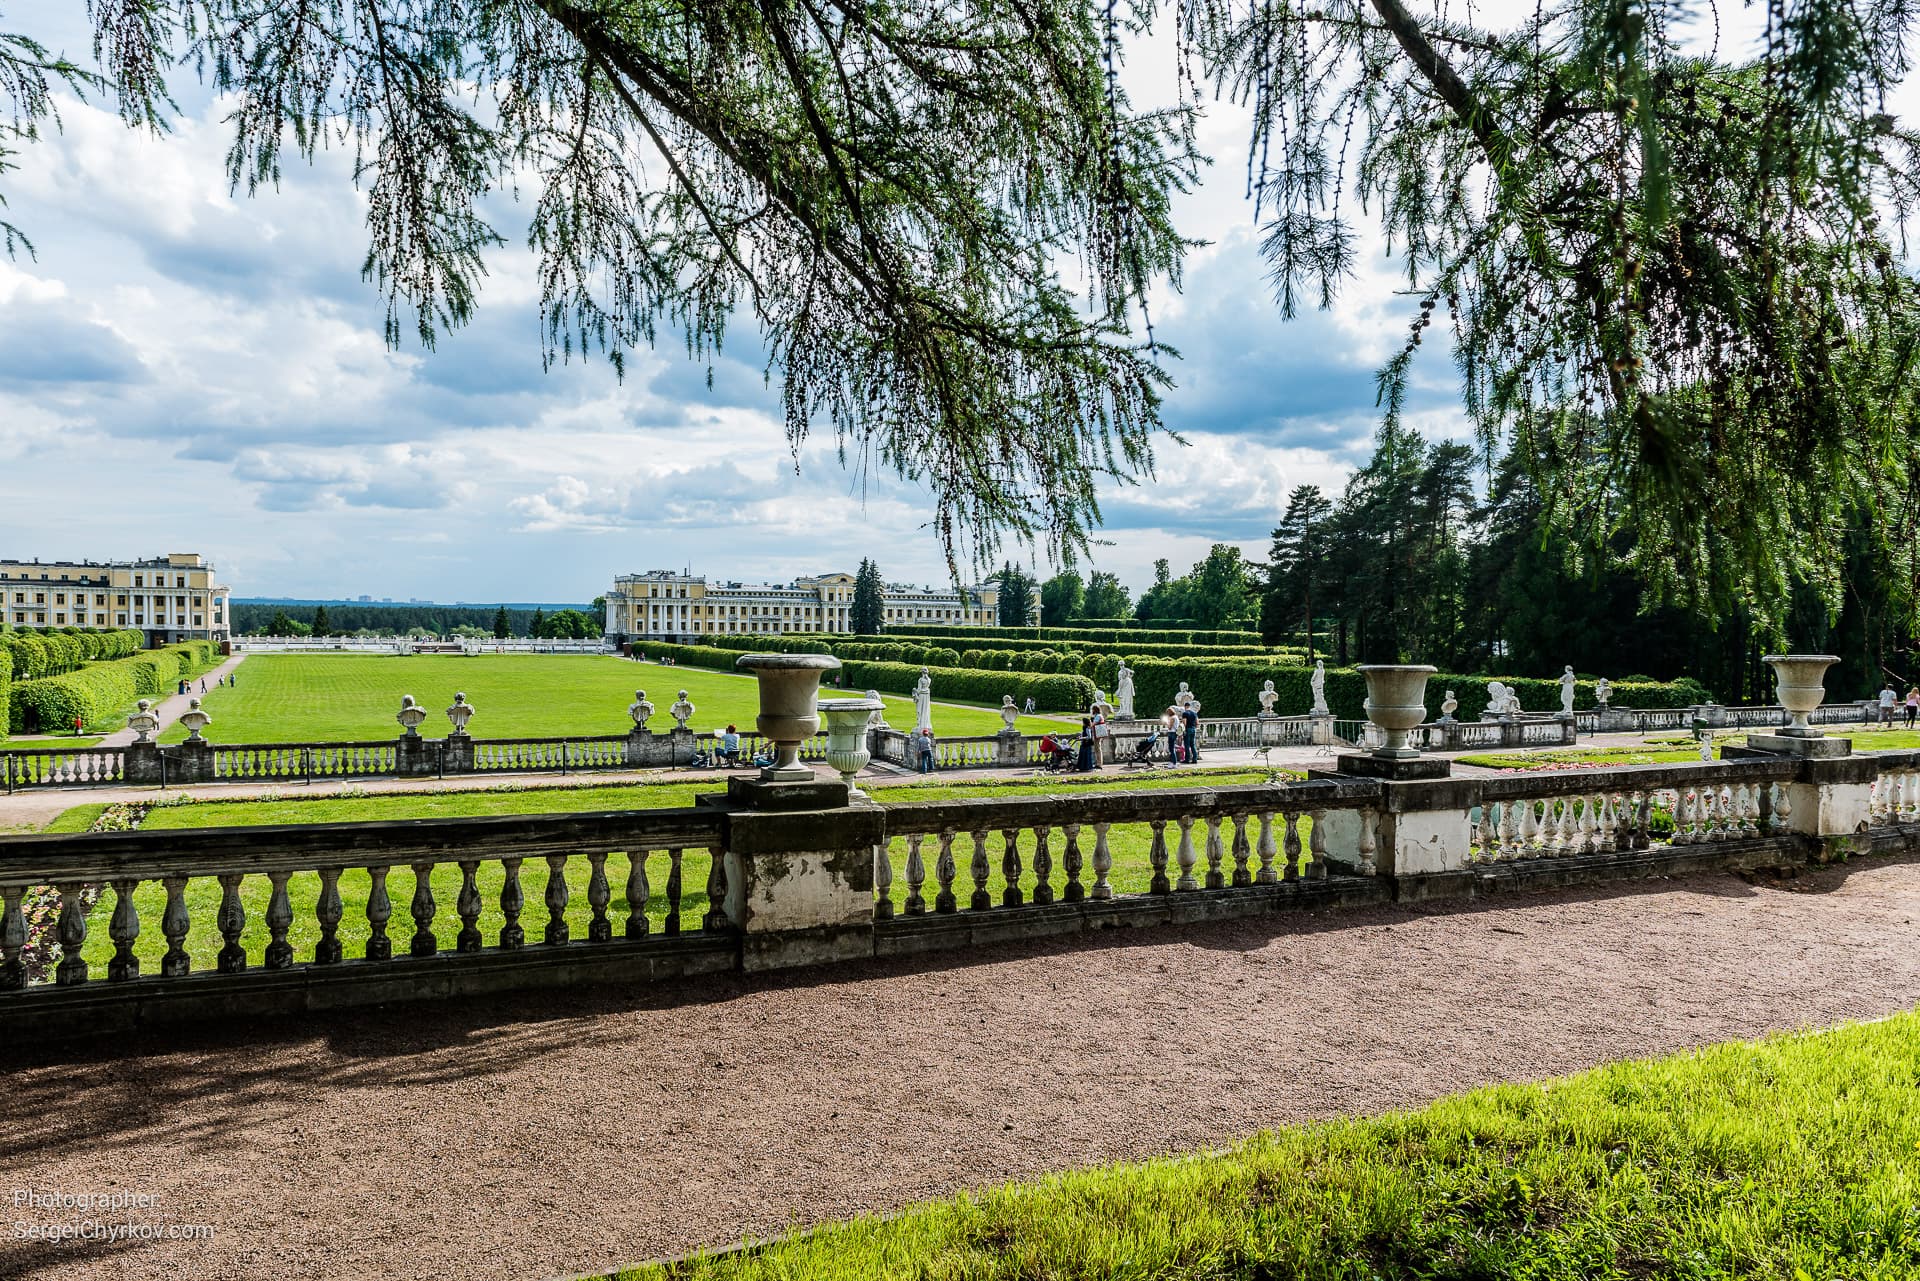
{"points": [[1585, 756], [305, 698], [1129, 843], [57, 743], [1791, 1158]]}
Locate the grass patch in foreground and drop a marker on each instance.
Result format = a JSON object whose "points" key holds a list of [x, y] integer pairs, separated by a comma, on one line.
{"points": [[1586, 756], [1797, 1157]]}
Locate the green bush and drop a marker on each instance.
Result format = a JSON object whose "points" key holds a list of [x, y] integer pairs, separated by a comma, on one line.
{"points": [[104, 692], [972, 658]]}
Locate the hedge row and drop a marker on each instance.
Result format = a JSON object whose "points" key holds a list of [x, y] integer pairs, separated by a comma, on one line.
{"points": [[979, 652], [1122, 645], [1088, 635], [1233, 689], [6, 696], [1055, 693], [49, 653], [102, 693]]}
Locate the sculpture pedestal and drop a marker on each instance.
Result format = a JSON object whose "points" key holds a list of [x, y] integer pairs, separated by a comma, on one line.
{"points": [[1785, 744]]}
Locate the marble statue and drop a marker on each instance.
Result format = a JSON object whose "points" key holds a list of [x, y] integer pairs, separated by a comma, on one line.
{"points": [[1496, 701], [460, 713], [640, 709], [1567, 681], [1123, 693], [1448, 706], [195, 720], [143, 722], [1603, 691], [410, 715], [1268, 697], [923, 702], [1318, 683], [1009, 715], [878, 720], [682, 711], [1101, 705]]}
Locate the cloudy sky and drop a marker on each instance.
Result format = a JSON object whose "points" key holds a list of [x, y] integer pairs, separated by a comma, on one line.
{"points": [[183, 369]]}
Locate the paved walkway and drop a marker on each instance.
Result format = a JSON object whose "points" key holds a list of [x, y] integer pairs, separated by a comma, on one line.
{"points": [[170, 708], [526, 1137]]}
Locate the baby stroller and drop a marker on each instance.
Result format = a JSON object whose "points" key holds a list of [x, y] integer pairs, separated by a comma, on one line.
{"points": [[1141, 754], [1056, 753]]}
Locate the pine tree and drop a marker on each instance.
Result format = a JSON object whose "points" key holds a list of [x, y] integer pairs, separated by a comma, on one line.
{"points": [[538, 630], [1016, 596], [502, 626], [1294, 566], [322, 626], [868, 613]]}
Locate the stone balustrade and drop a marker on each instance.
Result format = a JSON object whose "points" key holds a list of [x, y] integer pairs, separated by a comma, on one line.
{"points": [[203, 923]]}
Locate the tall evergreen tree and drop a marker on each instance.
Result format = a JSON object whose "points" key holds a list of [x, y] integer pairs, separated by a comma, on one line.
{"points": [[502, 627], [322, 625], [1294, 567], [538, 628], [1016, 596], [868, 613]]}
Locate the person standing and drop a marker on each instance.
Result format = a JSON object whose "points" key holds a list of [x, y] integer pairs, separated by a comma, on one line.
{"points": [[926, 749], [1913, 704], [1190, 727], [1086, 744], [1887, 698]]}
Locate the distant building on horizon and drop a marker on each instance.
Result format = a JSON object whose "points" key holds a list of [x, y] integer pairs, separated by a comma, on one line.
{"points": [[664, 605], [170, 598]]}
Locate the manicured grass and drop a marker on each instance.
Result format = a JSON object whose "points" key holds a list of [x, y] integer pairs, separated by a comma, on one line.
{"points": [[1790, 1158], [61, 743], [1129, 843], [306, 698], [1585, 756]]}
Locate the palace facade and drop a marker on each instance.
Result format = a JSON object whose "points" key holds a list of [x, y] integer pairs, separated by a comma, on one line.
{"points": [[170, 598], [663, 605]]}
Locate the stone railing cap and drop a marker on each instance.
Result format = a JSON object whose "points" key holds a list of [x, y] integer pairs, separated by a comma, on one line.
{"points": [[787, 662]]}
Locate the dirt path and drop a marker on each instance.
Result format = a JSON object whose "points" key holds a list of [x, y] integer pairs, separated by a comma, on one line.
{"points": [[545, 1135], [170, 707]]}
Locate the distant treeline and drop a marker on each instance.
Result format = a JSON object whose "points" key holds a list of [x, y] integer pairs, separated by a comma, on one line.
{"points": [[386, 620]]}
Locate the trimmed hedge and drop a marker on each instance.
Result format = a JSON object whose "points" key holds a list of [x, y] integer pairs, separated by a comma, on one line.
{"points": [[926, 650], [1233, 689], [51, 653], [6, 692], [103, 692], [1090, 635], [1054, 693]]}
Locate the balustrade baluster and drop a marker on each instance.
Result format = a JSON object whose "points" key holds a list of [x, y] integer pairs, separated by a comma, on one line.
{"points": [[72, 933], [675, 867], [1216, 854], [1560, 833], [1510, 829], [1529, 828], [513, 901], [1185, 855], [468, 905], [1103, 862], [638, 892], [916, 875], [1070, 864], [1267, 851], [1242, 851], [174, 924], [1682, 817], [279, 920], [379, 911], [599, 929], [1290, 846], [944, 873], [1782, 806], [882, 882], [1749, 810], [1317, 844], [557, 896], [980, 870], [231, 920], [1710, 827], [123, 929], [13, 938], [1010, 896], [1042, 868], [716, 918], [1366, 842], [422, 910]]}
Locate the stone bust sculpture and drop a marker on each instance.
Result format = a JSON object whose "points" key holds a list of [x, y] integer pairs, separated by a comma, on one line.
{"points": [[1448, 706], [879, 718], [682, 711], [1268, 697], [1009, 715], [640, 709], [195, 720], [1603, 691], [410, 715], [142, 721], [460, 713]]}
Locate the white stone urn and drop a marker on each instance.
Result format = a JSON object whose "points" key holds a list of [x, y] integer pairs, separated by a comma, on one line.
{"points": [[1397, 703], [847, 722], [789, 714], [1801, 682]]}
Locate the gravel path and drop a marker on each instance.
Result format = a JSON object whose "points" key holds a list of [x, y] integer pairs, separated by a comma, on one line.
{"points": [[552, 1134]]}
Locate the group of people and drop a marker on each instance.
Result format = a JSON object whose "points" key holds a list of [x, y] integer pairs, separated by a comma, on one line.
{"points": [[1889, 701]]}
